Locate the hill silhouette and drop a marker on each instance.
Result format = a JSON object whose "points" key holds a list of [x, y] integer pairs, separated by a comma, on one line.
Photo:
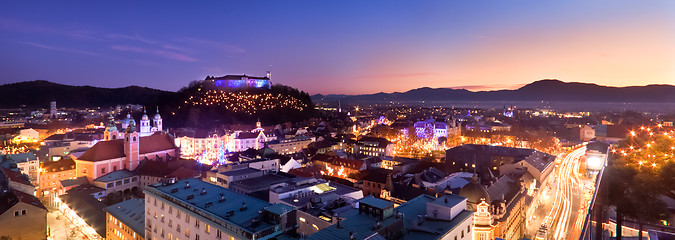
{"points": [[38, 94], [542, 90]]}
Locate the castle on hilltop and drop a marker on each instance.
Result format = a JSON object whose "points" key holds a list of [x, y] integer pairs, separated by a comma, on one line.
{"points": [[242, 81]]}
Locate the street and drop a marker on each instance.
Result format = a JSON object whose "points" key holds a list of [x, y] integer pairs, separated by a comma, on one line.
{"points": [[61, 228], [561, 207]]}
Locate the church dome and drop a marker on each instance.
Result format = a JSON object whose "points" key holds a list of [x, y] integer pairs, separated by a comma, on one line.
{"points": [[474, 192], [157, 117], [145, 116], [132, 126], [126, 120]]}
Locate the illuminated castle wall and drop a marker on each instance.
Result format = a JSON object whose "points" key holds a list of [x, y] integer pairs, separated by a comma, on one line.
{"points": [[242, 81]]}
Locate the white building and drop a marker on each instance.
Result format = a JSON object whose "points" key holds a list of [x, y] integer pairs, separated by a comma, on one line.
{"points": [[28, 163], [193, 209]]}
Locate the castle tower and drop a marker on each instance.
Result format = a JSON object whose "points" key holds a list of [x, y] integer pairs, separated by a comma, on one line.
{"points": [[131, 146], [145, 124], [157, 120], [110, 130], [52, 109]]}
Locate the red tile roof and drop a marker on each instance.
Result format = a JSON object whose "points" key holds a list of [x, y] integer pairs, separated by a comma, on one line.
{"points": [[10, 200], [111, 149], [16, 176]]}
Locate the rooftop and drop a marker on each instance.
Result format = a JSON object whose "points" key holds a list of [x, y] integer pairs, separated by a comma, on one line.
{"points": [[213, 202], [130, 212], [86, 207], [115, 175], [240, 172], [361, 225], [20, 157], [112, 149], [376, 202]]}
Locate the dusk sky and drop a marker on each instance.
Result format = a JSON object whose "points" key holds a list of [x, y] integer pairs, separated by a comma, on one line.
{"points": [[339, 47]]}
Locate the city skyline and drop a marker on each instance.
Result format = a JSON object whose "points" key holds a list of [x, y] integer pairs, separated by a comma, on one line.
{"points": [[340, 48]]}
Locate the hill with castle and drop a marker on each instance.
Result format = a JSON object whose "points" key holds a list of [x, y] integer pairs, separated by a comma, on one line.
{"points": [[211, 102]]}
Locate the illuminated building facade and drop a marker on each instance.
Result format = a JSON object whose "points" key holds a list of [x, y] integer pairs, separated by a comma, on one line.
{"points": [[51, 173], [193, 209], [373, 146], [125, 220], [124, 152], [243, 81], [482, 222]]}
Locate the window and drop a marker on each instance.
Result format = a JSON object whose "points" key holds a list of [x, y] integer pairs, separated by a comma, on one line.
{"points": [[178, 214], [102, 170], [177, 227], [196, 236], [23, 212], [187, 218], [208, 228], [170, 209], [16, 213], [187, 232], [170, 223], [197, 223], [114, 168], [218, 234], [468, 228], [462, 233]]}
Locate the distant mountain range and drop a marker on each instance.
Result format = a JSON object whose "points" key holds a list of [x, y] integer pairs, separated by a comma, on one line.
{"points": [[542, 90], [38, 94]]}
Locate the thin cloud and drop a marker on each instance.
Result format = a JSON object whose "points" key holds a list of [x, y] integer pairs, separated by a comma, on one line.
{"points": [[157, 52], [19, 26], [38, 45], [395, 75], [130, 37], [489, 87], [231, 48]]}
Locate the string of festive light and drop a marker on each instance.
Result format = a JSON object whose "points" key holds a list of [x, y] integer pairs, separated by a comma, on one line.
{"points": [[245, 102]]}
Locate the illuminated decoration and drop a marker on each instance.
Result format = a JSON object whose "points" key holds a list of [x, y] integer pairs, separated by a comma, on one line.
{"points": [[245, 102], [331, 172], [508, 112], [242, 81], [222, 151], [23, 139], [648, 147]]}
